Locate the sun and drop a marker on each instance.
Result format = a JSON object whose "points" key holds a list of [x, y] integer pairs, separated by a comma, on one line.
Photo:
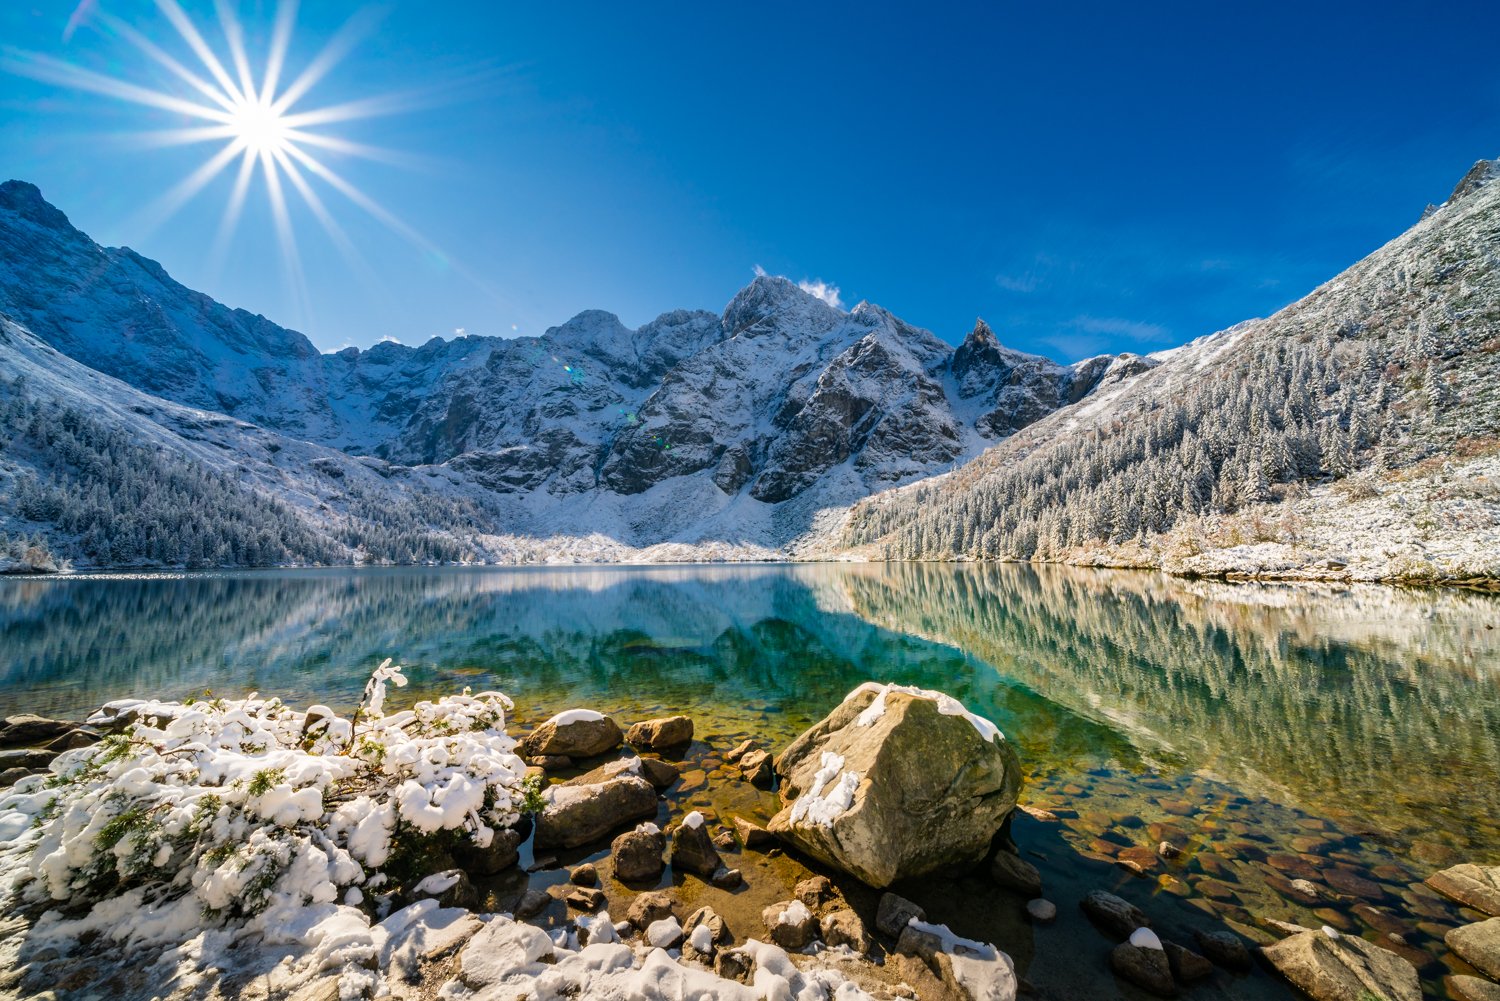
{"points": [[259, 127], [255, 112]]}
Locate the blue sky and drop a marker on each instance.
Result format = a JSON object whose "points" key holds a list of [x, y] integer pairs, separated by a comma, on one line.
{"points": [[1086, 178]]}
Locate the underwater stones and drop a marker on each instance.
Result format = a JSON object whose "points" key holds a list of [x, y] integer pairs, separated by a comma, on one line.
{"points": [[1294, 866], [1187, 965], [1114, 915], [844, 927], [692, 850], [1015, 873], [890, 786], [638, 855], [1343, 968], [1167, 850], [669, 731], [1225, 948], [1138, 859], [503, 851], [894, 913], [577, 815], [790, 924], [576, 733], [1355, 885], [1471, 885], [1478, 945], [738, 751], [1041, 911]]}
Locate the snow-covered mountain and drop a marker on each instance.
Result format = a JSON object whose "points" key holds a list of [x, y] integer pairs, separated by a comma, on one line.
{"points": [[1354, 433], [697, 427]]}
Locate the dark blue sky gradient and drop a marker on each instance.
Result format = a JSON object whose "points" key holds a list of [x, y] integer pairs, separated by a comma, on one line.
{"points": [[1087, 178]]}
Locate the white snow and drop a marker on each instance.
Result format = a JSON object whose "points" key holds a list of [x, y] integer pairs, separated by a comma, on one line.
{"points": [[818, 808], [693, 820], [665, 933], [946, 704], [795, 913], [982, 970], [575, 716], [436, 885], [1145, 938], [702, 938]]}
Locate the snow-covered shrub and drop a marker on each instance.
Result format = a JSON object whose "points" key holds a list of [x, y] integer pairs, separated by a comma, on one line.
{"points": [[246, 803]]}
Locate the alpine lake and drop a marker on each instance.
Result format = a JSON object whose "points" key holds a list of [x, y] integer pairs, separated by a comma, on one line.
{"points": [[1348, 736]]}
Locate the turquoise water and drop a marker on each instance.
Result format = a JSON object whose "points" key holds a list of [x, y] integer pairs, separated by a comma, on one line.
{"points": [[1275, 731]]}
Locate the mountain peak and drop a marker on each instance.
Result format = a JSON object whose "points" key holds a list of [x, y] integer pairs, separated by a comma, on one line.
{"points": [[1479, 175], [982, 334], [772, 296], [25, 200]]}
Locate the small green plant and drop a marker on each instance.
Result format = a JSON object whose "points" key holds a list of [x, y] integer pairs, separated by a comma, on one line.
{"points": [[532, 800], [265, 780]]}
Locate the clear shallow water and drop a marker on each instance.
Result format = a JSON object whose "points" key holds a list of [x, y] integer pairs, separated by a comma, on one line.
{"points": [[1346, 735]]}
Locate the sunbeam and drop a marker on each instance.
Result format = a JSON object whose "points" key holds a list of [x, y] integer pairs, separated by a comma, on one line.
{"points": [[259, 122]]}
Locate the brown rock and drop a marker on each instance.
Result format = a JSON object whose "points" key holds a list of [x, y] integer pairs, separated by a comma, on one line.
{"points": [[755, 768], [582, 737], [1478, 945], [532, 903], [718, 935], [739, 751], [1343, 969], [552, 762], [1473, 886], [638, 856], [1144, 967], [1187, 965], [894, 913], [790, 924], [669, 731], [1114, 915], [1225, 949], [584, 875], [754, 837], [734, 965], [649, 907], [585, 898], [503, 851], [727, 879], [814, 890], [1353, 884], [692, 850], [1464, 988], [28, 730], [577, 815], [1138, 859], [1015, 873], [844, 927]]}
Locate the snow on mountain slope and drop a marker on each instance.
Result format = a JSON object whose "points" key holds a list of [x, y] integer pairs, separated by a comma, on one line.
{"points": [[1354, 433], [740, 428]]}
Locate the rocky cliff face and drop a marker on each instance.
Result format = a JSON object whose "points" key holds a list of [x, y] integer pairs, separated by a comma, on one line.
{"points": [[779, 397]]}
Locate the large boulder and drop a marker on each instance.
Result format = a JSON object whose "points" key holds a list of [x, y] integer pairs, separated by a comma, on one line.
{"points": [[577, 733], [578, 815], [638, 854], [1343, 968], [692, 850], [896, 783]]}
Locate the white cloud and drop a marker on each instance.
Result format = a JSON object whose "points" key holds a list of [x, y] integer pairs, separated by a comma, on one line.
{"points": [[760, 272], [823, 290], [1023, 283], [1117, 326], [388, 337]]}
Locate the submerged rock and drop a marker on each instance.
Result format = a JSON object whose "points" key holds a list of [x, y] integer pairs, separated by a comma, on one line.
{"points": [[1187, 965], [1343, 968], [1114, 915], [1015, 873], [577, 733], [670, 731], [893, 784], [1471, 885], [1225, 949], [1041, 911], [1144, 965], [577, 815], [1478, 945]]}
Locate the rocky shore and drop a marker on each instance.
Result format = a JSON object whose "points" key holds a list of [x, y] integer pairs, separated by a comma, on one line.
{"points": [[653, 859]]}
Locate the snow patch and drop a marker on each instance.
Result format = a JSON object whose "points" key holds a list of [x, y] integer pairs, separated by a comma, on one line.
{"points": [[946, 704]]}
